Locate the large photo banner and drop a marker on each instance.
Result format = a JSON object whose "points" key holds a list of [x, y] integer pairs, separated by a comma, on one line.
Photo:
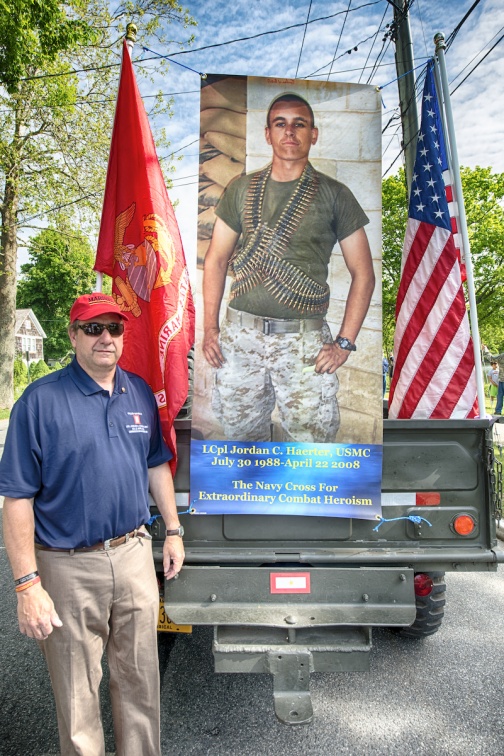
{"points": [[288, 387]]}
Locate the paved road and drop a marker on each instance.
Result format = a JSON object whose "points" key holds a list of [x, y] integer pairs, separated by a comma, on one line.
{"points": [[440, 697]]}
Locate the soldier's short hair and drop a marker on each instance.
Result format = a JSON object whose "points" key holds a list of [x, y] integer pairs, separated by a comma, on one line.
{"points": [[291, 97]]}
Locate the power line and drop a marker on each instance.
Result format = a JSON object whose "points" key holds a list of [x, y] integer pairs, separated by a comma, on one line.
{"points": [[422, 27], [451, 37], [198, 49], [190, 183], [390, 33], [339, 38], [109, 99], [144, 97], [374, 40], [273, 31], [347, 52], [182, 178], [60, 207], [475, 56], [302, 41], [385, 46], [179, 150], [351, 70], [478, 63], [378, 63], [449, 40]]}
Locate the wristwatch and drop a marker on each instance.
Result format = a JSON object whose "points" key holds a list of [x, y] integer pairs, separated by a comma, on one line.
{"points": [[345, 343], [176, 532]]}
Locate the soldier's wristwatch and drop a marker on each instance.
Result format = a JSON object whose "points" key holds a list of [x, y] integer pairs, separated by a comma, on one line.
{"points": [[176, 532], [345, 343]]}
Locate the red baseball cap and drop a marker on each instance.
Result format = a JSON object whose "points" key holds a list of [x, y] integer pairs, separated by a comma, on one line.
{"points": [[89, 306]]}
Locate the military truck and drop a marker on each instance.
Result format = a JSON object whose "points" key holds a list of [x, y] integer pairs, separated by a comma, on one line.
{"points": [[290, 595]]}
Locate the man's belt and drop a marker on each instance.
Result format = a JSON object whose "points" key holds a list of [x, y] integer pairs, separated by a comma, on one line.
{"points": [[270, 326], [111, 543]]}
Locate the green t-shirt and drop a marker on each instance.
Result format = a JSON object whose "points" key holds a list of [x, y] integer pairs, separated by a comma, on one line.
{"points": [[333, 215]]}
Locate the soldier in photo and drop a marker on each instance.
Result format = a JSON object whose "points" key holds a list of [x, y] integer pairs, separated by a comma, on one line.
{"points": [[274, 233]]}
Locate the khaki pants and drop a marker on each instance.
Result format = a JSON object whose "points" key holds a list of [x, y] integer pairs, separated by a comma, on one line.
{"points": [[107, 600]]}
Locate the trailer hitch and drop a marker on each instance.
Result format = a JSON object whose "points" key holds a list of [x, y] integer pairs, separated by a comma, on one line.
{"points": [[291, 686]]}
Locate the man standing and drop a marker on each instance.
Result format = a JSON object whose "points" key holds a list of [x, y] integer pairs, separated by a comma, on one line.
{"points": [[385, 369], [275, 347], [83, 448], [498, 359], [492, 375]]}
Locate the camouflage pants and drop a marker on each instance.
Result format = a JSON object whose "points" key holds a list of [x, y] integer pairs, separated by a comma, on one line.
{"points": [[263, 371]]}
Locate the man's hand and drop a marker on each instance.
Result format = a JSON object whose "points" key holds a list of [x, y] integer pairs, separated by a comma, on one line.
{"points": [[330, 358], [36, 613], [173, 556], [211, 348], [163, 493]]}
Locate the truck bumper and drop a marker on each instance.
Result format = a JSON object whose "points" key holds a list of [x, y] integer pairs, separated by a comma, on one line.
{"points": [[324, 596], [425, 559], [289, 622]]}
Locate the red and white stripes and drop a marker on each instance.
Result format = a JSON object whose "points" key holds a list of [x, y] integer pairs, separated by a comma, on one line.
{"points": [[434, 365]]}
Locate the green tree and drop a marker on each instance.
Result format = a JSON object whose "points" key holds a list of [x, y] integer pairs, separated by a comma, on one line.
{"points": [[483, 199], [33, 34], [20, 372], [59, 65], [394, 219], [25, 30], [60, 269]]}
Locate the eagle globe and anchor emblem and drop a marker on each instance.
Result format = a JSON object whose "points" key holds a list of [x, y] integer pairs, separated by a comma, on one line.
{"points": [[141, 262]]}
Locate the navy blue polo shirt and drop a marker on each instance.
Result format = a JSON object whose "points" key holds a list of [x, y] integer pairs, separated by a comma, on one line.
{"points": [[83, 455]]}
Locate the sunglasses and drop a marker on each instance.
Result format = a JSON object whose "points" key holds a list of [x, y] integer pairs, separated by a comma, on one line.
{"points": [[96, 329]]}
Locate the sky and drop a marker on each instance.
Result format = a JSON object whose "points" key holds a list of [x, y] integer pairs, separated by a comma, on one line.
{"points": [[344, 41], [319, 50]]}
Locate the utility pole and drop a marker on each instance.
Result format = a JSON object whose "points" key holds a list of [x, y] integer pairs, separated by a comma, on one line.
{"points": [[406, 80]]}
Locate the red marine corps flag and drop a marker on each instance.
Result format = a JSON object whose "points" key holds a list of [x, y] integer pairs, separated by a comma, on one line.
{"points": [[140, 248], [434, 370]]}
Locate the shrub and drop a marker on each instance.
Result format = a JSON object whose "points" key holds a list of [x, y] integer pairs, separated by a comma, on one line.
{"points": [[38, 369], [20, 373]]}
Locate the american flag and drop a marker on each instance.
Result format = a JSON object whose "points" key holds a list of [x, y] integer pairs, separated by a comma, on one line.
{"points": [[434, 373]]}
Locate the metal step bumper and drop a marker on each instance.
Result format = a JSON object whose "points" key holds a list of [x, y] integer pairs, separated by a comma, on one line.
{"points": [[207, 595], [290, 656]]}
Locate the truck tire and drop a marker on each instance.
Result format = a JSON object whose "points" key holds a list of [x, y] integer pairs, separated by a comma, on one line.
{"points": [[429, 611]]}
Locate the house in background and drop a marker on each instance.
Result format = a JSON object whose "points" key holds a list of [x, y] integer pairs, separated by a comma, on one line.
{"points": [[29, 336]]}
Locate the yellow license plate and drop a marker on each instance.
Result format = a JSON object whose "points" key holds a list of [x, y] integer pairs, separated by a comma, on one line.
{"points": [[165, 625]]}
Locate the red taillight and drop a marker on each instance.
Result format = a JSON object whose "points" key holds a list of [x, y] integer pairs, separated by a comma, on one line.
{"points": [[428, 499], [464, 524], [423, 584]]}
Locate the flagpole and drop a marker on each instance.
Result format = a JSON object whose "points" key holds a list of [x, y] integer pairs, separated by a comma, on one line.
{"points": [[130, 38], [439, 41]]}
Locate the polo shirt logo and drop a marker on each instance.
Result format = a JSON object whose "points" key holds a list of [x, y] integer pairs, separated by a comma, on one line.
{"points": [[136, 426]]}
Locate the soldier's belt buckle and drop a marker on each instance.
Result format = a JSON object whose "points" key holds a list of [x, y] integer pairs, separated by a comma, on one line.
{"points": [[266, 326]]}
